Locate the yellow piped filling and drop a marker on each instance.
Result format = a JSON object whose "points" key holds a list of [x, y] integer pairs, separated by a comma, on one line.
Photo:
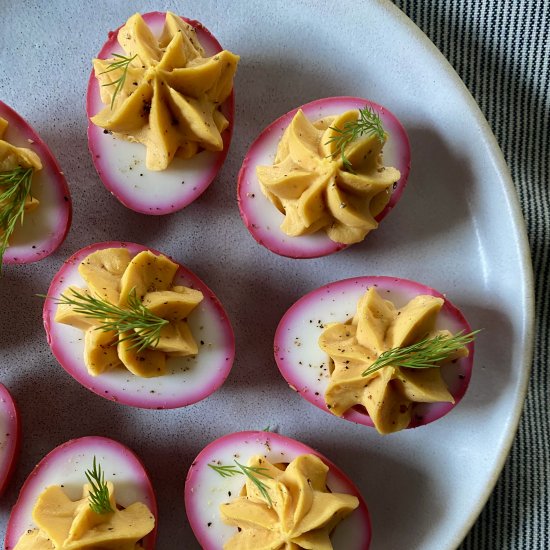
{"points": [[388, 394], [170, 95], [111, 274], [302, 512], [309, 184]]}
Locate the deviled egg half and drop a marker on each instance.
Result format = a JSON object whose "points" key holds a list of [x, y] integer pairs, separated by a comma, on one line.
{"points": [[35, 204], [135, 327], [321, 177], [380, 351], [58, 503], [263, 490], [160, 103], [10, 436]]}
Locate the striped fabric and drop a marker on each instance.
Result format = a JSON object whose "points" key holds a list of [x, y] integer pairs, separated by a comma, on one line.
{"points": [[501, 49]]}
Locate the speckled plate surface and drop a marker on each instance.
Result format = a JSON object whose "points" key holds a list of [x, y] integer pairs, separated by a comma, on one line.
{"points": [[457, 228]]}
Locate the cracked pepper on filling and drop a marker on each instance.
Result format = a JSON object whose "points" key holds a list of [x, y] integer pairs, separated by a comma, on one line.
{"points": [[310, 185], [302, 512], [390, 393], [171, 93], [72, 525], [112, 274]]}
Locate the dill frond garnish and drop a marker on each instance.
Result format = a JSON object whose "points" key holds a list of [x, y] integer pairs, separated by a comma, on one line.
{"points": [[143, 324], [122, 64], [15, 187], [368, 123], [426, 354], [251, 472], [99, 493]]}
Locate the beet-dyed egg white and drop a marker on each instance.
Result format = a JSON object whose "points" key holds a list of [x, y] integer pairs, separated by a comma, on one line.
{"points": [[45, 228], [120, 164], [206, 490], [305, 366], [188, 379], [66, 466], [10, 436], [263, 219]]}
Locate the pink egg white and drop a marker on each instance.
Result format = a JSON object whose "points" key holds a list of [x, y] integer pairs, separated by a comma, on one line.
{"points": [[66, 466], [261, 217], [189, 379], [120, 164], [206, 490], [305, 366]]}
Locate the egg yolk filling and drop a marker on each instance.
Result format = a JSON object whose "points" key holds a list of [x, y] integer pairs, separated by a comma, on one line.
{"points": [[11, 158], [163, 92], [310, 184], [389, 394], [300, 513], [71, 525], [112, 275]]}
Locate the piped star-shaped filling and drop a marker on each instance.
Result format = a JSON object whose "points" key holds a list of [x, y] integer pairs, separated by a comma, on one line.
{"points": [[164, 93], [114, 277], [389, 393], [312, 186], [301, 513], [63, 523]]}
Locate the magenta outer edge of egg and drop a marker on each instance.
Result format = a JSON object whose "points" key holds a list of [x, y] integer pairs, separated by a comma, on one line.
{"points": [[293, 247], [300, 308], [94, 383], [13, 443], [52, 173], [117, 187], [88, 445], [273, 440]]}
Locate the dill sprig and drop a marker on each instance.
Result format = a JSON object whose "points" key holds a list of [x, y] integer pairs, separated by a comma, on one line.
{"points": [[98, 496], [122, 64], [15, 187], [368, 123], [426, 354], [251, 472], [143, 324]]}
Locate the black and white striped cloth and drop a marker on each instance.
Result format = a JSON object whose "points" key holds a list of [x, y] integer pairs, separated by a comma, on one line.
{"points": [[501, 49]]}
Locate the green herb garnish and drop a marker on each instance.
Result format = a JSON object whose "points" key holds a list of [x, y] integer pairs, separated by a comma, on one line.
{"points": [[99, 493], [426, 354], [122, 64], [15, 187], [368, 123], [143, 324], [250, 472]]}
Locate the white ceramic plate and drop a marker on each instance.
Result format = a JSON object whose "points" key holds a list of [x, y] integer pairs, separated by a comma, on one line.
{"points": [[457, 228]]}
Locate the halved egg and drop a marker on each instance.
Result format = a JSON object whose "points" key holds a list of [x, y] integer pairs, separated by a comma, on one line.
{"points": [[187, 379], [66, 465], [359, 203], [44, 228], [10, 436], [206, 490], [121, 164], [306, 367]]}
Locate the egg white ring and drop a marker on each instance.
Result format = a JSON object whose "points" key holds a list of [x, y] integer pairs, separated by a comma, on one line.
{"points": [[46, 227], [10, 436], [262, 218], [120, 164], [66, 466], [206, 490], [189, 379], [305, 366]]}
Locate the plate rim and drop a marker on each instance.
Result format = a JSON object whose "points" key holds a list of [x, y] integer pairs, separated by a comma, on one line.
{"points": [[526, 268]]}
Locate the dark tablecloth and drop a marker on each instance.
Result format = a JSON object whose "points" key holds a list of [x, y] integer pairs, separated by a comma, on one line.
{"points": [[501, 49]]}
